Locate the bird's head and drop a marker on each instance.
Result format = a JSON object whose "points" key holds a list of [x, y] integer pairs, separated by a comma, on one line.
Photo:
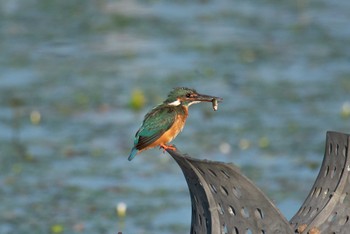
{"points": [[186, 97]]}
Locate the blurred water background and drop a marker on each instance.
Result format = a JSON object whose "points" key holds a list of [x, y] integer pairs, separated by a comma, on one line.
{"points": [[77, 77]]}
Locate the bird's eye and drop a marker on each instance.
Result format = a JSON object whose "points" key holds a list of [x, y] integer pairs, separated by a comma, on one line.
{"points": [[188, 95]]}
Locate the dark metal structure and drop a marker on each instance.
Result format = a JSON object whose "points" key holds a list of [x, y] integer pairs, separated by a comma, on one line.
{"points": [[225, 201]]}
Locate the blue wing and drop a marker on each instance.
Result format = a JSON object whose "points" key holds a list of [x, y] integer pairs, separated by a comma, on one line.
{"points": [[156, 122]]}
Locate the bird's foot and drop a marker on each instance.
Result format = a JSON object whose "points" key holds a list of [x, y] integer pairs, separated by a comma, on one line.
{"points": [[167, 147]]}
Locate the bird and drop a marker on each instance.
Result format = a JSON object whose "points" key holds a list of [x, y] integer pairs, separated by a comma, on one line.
{"points": [[165, 121]]}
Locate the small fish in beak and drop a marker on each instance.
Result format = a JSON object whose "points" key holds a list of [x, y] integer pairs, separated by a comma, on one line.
{"points": [[215, 104]]}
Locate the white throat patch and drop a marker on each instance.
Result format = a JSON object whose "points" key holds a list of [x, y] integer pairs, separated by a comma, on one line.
{"points": [[175, 103], [194, 102]]}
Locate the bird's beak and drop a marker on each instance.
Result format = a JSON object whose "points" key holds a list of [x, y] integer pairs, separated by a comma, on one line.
{"points": [[204, 98]]}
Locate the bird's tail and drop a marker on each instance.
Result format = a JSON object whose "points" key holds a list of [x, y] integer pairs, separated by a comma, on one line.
{"points": [[132, 153]]}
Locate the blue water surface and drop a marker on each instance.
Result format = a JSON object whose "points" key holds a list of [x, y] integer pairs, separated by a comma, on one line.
{"points": [[77, 77]]}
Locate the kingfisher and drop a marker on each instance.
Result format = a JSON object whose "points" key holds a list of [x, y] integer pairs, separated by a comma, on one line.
{"points": [[165, 121]]}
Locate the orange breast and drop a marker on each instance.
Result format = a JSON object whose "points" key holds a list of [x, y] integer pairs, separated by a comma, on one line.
{"points": [[173, 131]]}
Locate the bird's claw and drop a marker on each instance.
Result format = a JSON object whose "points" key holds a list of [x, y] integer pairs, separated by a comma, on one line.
{"points": [[167, 147]]}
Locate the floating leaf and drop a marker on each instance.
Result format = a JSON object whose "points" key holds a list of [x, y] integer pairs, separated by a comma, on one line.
{"points": [[137, 100]]}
